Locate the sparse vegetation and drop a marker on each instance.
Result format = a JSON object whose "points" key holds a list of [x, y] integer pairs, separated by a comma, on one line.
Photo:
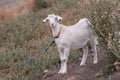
{"points": [[26, 36]]}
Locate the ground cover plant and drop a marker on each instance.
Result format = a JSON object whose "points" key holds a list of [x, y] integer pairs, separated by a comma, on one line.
{"points": [[23, 38]]}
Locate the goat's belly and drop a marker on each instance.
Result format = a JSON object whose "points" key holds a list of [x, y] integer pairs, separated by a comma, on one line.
{"points": [[77, 45]]}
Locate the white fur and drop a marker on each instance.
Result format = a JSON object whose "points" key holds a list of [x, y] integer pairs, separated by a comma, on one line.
{"points": [[72, 38]]}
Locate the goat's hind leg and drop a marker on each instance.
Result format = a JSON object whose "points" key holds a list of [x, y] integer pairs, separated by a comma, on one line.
{"points": [[85, 54], [94, 43], [95, 55]]}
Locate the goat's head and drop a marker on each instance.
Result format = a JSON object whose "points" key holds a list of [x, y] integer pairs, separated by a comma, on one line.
{"points": [[52, 19]]}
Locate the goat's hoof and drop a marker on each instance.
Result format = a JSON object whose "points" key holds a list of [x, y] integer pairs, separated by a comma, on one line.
{"points": [[62, 72], [95, 62], [82, 65]]}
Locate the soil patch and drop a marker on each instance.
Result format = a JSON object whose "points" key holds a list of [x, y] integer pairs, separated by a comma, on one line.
{"points": [[75, 72]]}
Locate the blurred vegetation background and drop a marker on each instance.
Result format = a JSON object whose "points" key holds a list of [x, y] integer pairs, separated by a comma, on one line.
{"points": [[25, 36]]}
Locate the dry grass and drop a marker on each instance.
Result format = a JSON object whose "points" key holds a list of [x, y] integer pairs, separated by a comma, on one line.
{"points": [[15, 11]]}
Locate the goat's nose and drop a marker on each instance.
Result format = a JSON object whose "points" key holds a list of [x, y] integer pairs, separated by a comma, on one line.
{"points": [[52, 24]]}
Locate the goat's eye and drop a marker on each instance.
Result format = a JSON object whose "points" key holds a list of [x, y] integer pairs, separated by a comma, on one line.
{"points": [[56, 18], [47, 20]]}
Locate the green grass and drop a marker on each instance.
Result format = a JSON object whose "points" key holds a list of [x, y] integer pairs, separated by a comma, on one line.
{"points": [[23, 38]]}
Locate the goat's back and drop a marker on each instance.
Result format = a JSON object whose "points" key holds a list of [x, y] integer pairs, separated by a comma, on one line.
{"points": [[82, 23]]}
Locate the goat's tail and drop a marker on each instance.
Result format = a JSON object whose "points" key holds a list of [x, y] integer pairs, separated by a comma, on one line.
{"points": [[89, 23]]}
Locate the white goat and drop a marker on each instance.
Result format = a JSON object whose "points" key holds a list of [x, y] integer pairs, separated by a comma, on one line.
{"points": [[71, 38]]}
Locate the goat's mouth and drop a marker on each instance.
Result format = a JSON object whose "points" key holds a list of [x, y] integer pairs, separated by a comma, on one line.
{"points": [[53, 26]]}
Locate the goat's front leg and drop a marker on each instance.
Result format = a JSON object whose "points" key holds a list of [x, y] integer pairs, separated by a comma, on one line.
{"points": [[85, 54], [61, 51], [64, 58]]}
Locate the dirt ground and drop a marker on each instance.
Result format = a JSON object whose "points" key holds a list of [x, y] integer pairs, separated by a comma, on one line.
{"points": [[75, 72], [114, 77]]}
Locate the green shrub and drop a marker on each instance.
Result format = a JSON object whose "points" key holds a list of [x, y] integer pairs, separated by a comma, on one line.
{"points": [[41, 4], [107, 23]]}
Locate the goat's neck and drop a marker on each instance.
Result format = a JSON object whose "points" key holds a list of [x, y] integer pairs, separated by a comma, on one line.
{"points": [[56, 30]]}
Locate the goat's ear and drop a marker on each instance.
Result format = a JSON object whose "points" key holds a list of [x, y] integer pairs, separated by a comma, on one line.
{"points": [[44, 20], [58, 18]]}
